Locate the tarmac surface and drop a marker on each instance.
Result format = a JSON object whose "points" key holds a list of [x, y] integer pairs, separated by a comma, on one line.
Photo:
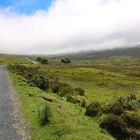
{"points": [[7, 130]]}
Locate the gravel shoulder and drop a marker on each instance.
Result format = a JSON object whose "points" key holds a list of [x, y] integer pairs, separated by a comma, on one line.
{"points": [[12, 124]]}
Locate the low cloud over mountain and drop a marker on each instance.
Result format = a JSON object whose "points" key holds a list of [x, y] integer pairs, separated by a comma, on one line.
{"points": [[70, 26]]}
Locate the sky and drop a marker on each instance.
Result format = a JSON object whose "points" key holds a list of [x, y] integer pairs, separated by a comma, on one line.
{"points": [[63, 26]]}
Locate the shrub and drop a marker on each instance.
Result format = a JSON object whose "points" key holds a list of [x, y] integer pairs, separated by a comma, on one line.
{"points": [[61, 88], [93, 109], [132, 119], [66, 91], [129, 102], [80, 91], [56, 86], [116, 109], [40, 80], [134, 134], [115, 126], [32, 74], [44, 114]]}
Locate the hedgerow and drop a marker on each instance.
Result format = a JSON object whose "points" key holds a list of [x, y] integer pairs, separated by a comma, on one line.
{"points": [[33, 75]]}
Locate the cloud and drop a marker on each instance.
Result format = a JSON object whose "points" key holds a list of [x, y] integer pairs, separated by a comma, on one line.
{"points": [[71, 26]]}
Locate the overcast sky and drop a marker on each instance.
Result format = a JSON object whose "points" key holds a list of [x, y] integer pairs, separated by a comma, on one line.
{"points": [[51, 27]]}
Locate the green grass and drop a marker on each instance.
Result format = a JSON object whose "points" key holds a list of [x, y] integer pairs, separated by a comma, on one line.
{"points": [[99, 84], [68, 121], [12, 59]]}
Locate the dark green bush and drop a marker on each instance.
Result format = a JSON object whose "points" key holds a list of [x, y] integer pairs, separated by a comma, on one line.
{"points": [[134, 134], [116, 109], [40, 80], [132, 118], [33, 75], [116, 126], [93, 109], [80, 91], [129, 102], [45, 114]]}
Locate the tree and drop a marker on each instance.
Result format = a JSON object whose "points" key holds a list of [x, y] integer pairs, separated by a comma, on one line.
{"points": [[65, 61], [39, 59], [44, 61]]}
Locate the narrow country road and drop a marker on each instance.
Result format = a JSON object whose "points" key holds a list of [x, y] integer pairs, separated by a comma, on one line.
{"points": [[7, 130]]}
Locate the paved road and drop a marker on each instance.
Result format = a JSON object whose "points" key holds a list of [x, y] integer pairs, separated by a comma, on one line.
{"points": [[7, 130]]}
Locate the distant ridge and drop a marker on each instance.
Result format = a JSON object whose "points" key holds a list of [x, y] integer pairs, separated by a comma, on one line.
{"points": [[131, 51]]}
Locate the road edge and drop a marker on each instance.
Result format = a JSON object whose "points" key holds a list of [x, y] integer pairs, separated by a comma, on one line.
{"points": [[20, 124]]}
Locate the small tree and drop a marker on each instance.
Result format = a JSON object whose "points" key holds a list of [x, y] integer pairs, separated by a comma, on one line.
{"points": [[39, 59], [44, 61], [65, 61]]}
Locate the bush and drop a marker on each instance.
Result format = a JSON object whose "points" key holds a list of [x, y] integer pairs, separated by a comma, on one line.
{"points": [[61, 88], [134, 135], [129, 102], [56, 86], [93, 109], [32, 74], [132, 119], [40, 80], [44, 114], [80, 91], [66, 91], [115, 126], [116, 109]]}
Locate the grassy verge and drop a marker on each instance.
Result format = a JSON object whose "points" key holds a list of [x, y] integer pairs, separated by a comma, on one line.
{"points": [[68, 120]]}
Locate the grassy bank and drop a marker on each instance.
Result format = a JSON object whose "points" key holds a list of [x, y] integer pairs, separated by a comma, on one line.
{"points": [[68, 120]]}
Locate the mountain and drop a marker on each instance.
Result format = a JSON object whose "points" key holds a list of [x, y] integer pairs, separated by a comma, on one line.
{"points": [[131, 51]]}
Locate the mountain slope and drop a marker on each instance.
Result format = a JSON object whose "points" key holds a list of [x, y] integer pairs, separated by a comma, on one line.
{"points": [[132, 51]]}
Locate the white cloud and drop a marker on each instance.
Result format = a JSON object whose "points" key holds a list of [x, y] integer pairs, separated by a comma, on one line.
{"points": [[71, 25]]}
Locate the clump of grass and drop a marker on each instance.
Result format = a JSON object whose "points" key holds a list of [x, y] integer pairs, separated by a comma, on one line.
{"points": [[45, 114]]}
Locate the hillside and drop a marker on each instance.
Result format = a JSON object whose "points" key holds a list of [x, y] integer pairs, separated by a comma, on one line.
{"points": [[132, 51]]}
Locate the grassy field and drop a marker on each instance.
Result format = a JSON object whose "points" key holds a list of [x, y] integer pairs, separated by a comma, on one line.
{"points": [[103, 81], [12, 59]]}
